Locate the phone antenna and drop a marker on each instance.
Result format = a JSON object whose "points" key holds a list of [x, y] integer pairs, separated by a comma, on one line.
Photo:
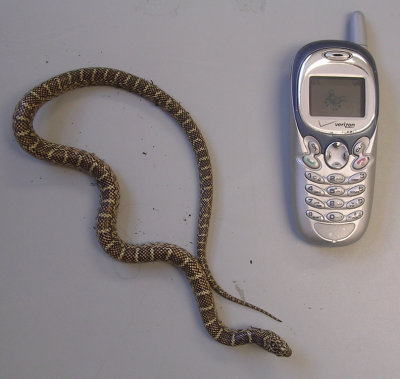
{"points": [[356, 29]]}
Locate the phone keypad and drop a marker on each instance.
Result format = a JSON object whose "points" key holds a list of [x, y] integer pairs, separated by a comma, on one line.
{"points": [[334, 197], [343, 197]]}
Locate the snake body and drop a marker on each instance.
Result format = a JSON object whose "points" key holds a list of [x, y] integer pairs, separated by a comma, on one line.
{"points": [[196, 271]]}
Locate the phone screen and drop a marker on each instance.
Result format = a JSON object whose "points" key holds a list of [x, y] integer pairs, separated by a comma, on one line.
{"points": [[337, 96]]}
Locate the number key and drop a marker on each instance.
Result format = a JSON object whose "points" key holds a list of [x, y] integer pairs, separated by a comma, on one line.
{"points": [[314, 190], [335, 203], [335, 190], [314, 202], [357, 178], [355, 203], [354, 216], [357, 190], [334, 217], [314, 215], [314, 177], [336, 178]]}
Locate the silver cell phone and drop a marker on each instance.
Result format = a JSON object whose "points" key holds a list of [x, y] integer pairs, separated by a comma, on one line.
{"points": [[335, 106]]}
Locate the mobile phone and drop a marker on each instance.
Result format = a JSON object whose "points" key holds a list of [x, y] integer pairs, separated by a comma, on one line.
{"points": [[335, 107]]}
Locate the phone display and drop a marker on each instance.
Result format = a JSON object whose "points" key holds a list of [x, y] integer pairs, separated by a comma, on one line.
{"points": [[337, 96]]}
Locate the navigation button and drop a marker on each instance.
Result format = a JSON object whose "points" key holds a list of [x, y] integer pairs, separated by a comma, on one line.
{"points": [[336, 155]]}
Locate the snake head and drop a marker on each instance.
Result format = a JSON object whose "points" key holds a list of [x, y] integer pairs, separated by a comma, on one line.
{"points": [[271, 342]]}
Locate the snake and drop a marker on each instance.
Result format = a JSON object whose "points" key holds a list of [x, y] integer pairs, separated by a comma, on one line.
{"points": [[195, 269]]}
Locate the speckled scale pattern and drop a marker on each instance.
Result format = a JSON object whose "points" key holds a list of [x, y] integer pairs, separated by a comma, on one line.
{"points": [[196, 270]]}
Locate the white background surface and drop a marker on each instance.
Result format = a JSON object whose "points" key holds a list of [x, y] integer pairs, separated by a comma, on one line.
{"points": [[67, 310]]}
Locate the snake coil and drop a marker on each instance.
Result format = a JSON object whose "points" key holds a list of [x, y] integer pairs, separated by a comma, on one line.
{"points": [[196, 270]]}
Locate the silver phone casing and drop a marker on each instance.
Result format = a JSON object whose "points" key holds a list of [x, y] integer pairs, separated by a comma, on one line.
{"points": [[327, 232]]}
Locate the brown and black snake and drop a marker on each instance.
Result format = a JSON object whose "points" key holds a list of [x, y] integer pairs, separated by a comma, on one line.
{"points": [[196, 270]]}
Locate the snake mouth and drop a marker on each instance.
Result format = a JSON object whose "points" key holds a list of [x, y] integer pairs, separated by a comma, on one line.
{"points": [[281, 351], [270, 342], [286, 352]]}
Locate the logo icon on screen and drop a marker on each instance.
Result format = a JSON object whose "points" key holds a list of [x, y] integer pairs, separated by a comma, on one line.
{"points": [[333, 101]]}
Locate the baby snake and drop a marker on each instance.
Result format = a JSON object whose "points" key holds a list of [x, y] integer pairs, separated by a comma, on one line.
{"points": [[196, 270]]}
